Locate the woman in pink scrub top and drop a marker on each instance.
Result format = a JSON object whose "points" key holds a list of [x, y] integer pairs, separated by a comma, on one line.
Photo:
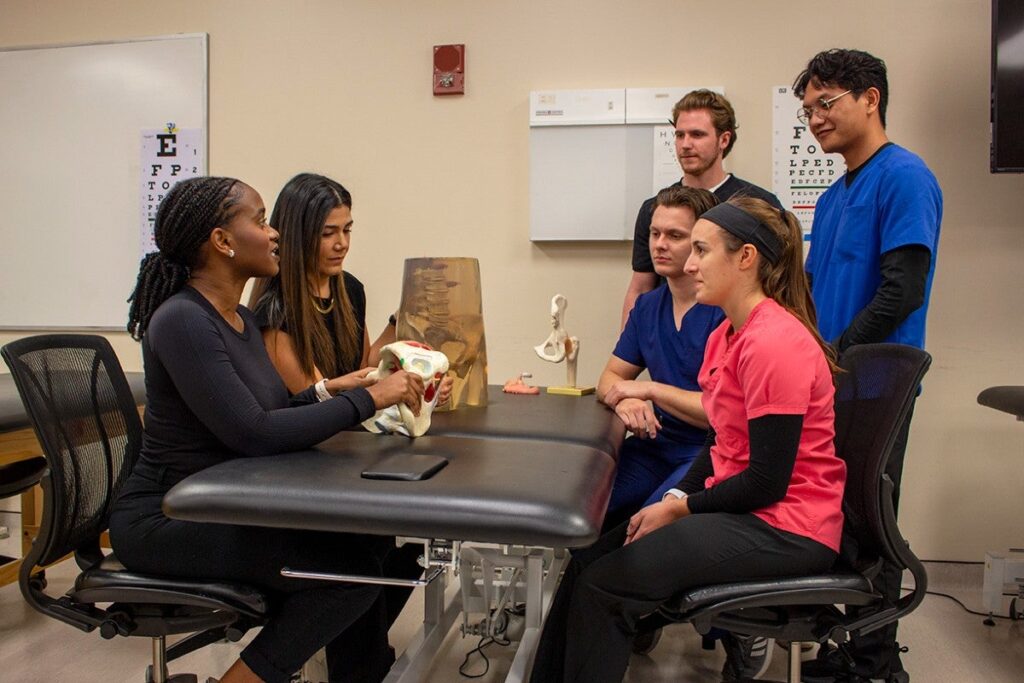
{"points": [[763, 499]]}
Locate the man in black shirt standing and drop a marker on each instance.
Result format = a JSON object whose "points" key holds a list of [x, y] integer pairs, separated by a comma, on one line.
{"points": [[705, 134]]}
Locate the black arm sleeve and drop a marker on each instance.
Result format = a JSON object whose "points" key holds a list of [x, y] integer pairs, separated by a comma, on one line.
{"points": [[642, 239], [774, 441], [700, 468], [901, 292]]}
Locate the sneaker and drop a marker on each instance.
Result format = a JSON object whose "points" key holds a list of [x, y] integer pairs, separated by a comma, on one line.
{"points": [[746, 657]]}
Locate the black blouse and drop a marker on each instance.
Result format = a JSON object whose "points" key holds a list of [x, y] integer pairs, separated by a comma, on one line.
{"points": [[212, 394], [356, 295]]}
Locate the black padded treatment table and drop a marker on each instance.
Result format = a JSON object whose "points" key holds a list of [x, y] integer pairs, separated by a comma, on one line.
{"points": [[533, 472]]}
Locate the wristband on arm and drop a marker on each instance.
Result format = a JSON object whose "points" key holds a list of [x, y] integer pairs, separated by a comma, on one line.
{"points": [[321, 391]]}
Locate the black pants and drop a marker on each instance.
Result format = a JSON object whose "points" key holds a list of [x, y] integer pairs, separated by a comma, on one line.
{"points": [[608, 587], [350, 620], [877, 653]]}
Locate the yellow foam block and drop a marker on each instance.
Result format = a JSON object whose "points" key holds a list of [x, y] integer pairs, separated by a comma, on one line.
{"points": [[571, 391]]}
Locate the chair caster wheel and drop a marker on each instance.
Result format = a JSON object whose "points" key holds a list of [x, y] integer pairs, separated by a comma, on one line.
{"points": [[176, 678], [644, 643], [38, 581]]}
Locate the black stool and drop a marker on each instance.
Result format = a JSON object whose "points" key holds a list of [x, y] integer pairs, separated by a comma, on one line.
{"points": [[1002, 569], [18, 477]]}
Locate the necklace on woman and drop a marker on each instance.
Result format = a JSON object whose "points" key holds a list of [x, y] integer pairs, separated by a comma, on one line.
{"points": [[325, 310]]}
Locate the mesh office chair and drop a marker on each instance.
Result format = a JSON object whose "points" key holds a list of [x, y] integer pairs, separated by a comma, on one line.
{"points": [[872, 400], [87, 423]]}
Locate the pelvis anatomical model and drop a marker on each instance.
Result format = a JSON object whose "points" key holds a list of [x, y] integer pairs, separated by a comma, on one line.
{"points": [[419, 359]]}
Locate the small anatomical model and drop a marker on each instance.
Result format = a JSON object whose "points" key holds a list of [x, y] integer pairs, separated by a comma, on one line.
{"points": [[561, 346]]}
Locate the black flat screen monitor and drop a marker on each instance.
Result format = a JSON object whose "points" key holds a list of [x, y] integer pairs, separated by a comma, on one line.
{"points": [[1007, 152]]}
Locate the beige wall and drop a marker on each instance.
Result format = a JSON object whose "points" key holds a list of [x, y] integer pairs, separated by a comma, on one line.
{"points": [[343, 87]]}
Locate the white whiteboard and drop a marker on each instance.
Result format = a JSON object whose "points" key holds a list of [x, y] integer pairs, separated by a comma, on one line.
{"points": [[595, 156], [586, 182], [71, 118]]}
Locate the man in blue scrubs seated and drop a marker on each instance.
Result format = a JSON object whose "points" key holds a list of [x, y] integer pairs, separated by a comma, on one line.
{"points": [[871, 264], [665, 333]]}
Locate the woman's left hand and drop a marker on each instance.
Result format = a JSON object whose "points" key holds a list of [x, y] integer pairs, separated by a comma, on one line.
{"points": [[351, 381], [445, 391], [655, 516]]}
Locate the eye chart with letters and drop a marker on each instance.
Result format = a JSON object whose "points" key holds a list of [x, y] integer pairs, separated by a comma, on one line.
{"points": [[801, 172], [169, 155]]}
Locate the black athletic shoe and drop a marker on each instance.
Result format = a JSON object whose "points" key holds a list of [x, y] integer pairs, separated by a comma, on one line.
{"points": [[746, 657]]}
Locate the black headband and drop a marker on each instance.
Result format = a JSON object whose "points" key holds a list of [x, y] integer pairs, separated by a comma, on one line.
{"points": [[738, 222]]}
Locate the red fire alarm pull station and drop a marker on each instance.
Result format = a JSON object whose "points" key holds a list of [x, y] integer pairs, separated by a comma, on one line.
{"points": [[449, 69]]}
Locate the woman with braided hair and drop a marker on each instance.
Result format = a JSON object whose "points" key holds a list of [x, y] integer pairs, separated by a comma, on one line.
{"points": [[213, 395]]}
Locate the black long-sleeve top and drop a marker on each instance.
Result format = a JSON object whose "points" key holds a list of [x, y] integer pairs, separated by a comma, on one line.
{"points": [[904, 273], [212, 394]]}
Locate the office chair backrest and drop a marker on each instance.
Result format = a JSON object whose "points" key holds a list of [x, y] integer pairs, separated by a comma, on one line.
{"points": [[873, 397], [85, 418]]}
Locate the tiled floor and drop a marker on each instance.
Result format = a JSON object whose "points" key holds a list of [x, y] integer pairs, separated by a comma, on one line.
{"points": [[946, 644]]}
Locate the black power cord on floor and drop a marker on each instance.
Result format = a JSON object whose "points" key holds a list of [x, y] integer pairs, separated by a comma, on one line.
{"points": [[988, 617], [479, 649], [962, 605], [497, 639]]}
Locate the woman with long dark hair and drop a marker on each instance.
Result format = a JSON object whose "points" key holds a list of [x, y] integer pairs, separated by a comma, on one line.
{"points": [[762, 499], [212, 395], [313, 311]]}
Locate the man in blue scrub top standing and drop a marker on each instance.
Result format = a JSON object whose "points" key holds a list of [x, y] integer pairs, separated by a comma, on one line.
{"points": [[871, 264]]}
